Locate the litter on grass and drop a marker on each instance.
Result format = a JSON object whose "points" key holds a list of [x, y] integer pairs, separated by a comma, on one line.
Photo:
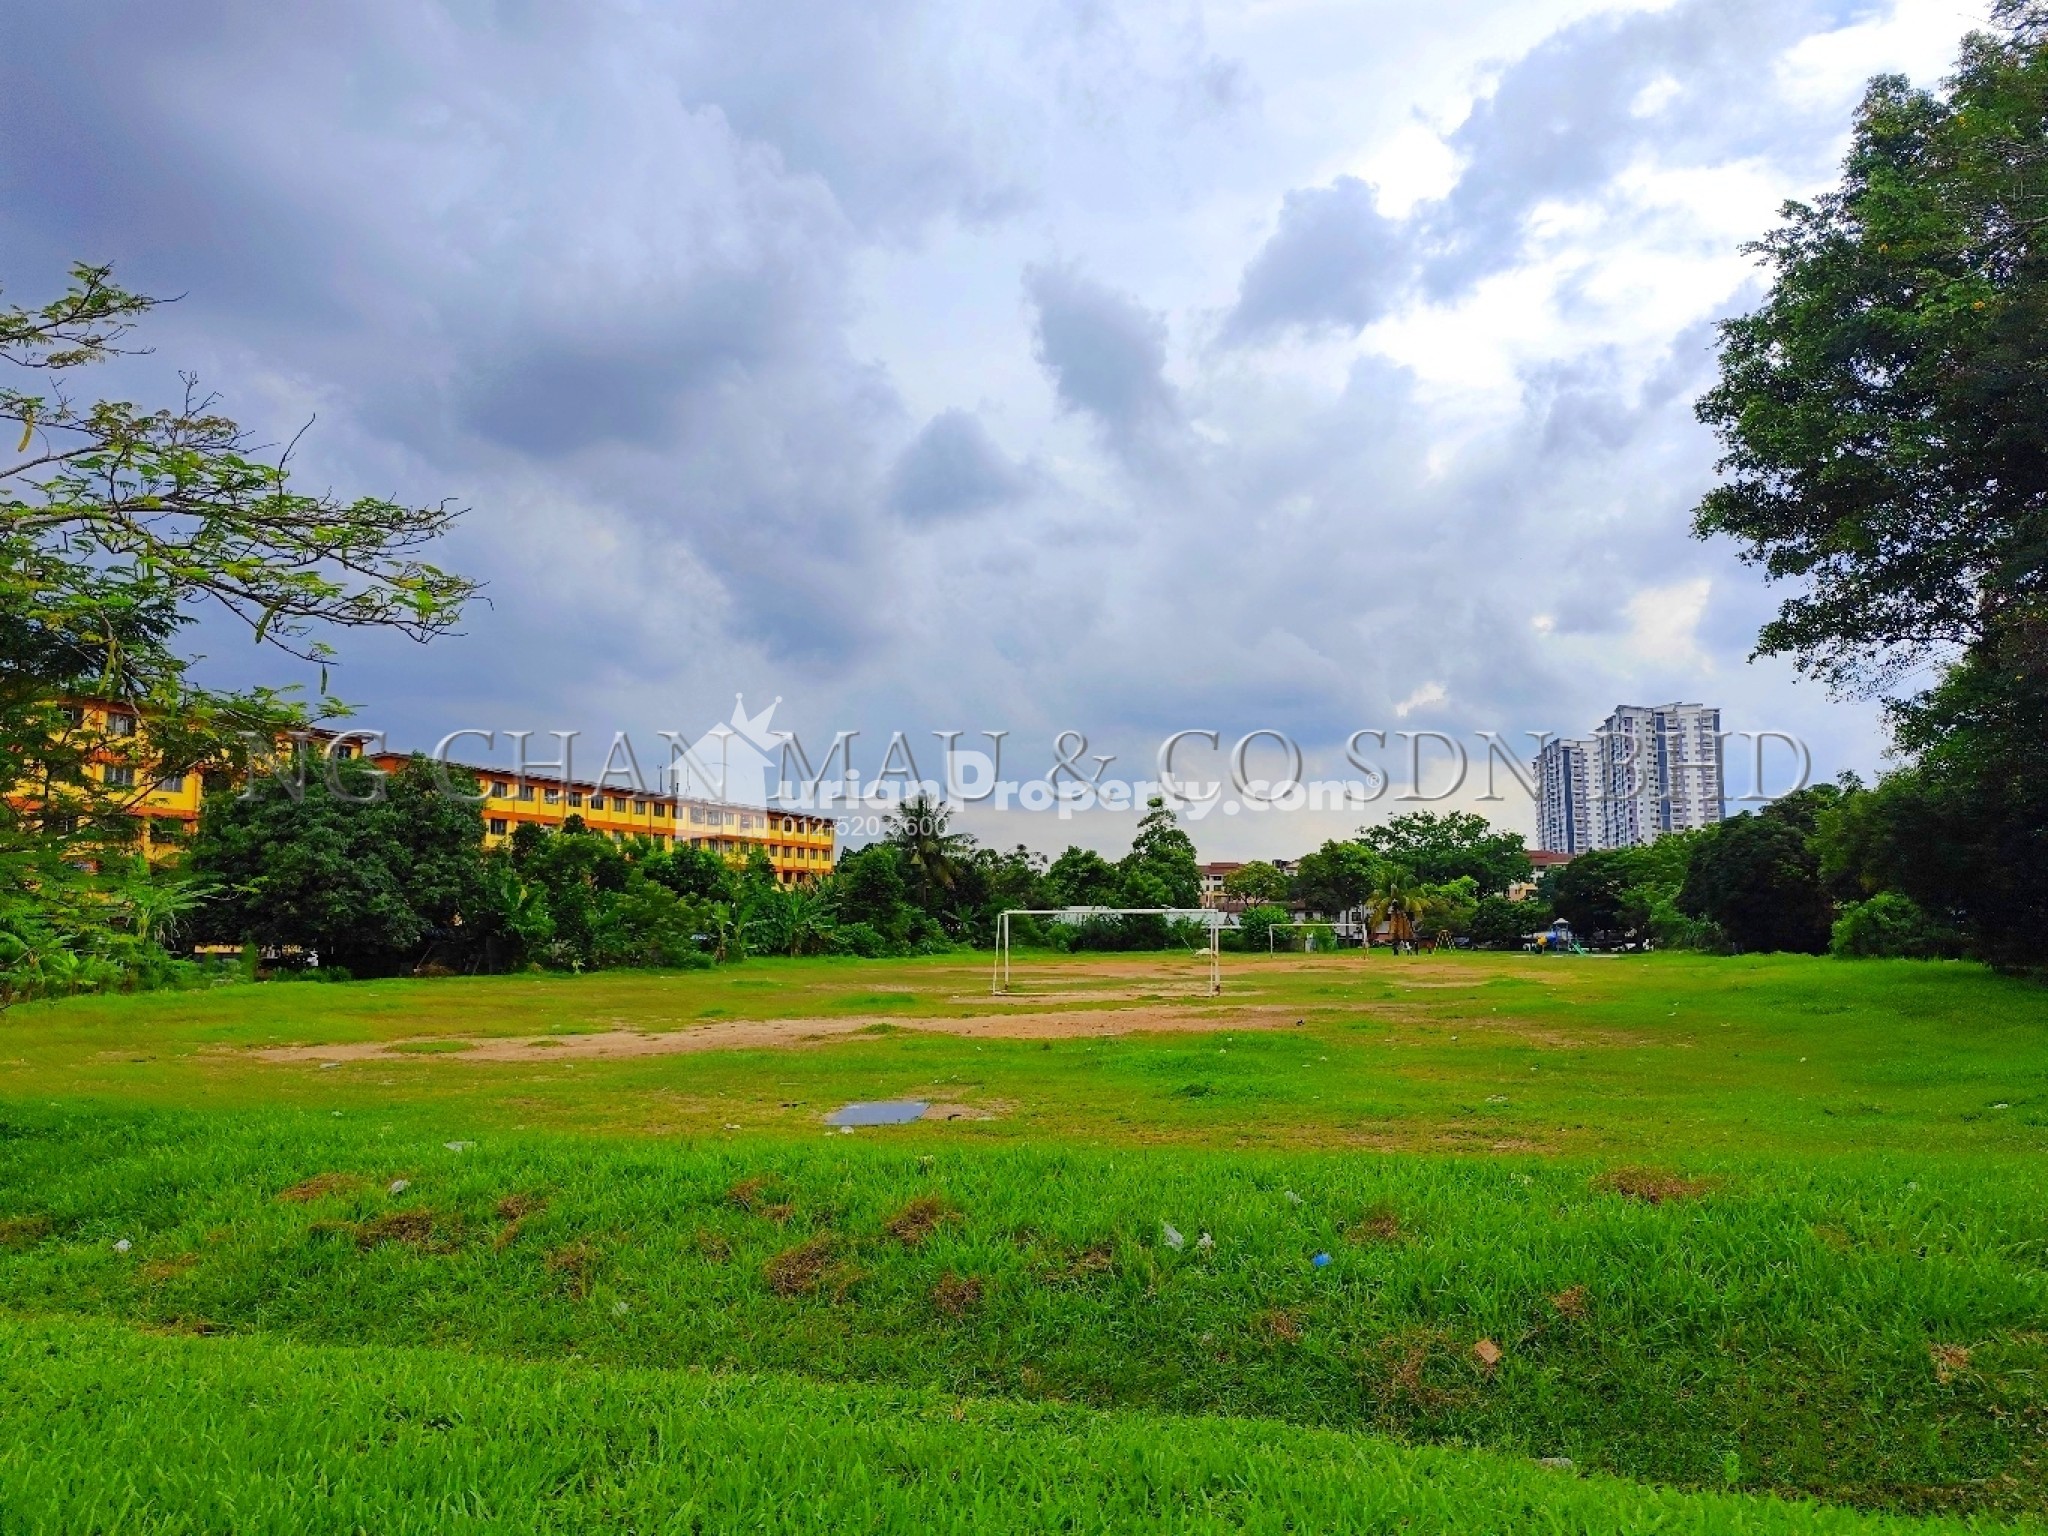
{"points": [[1170, 1235], [1321, 1261], [458, 1146], [1206, 1243], [123, 1246], [879, 1112], [400, 1186]]}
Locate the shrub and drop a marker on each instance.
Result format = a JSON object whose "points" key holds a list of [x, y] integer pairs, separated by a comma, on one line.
{"points": [[1892, 926]]}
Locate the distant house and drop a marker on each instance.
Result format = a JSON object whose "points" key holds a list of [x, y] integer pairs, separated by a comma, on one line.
{"points": [[1543, 860], [1213, 876]]}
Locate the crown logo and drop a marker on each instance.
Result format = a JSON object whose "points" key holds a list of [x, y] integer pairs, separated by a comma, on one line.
{"points": [[754, 728]]}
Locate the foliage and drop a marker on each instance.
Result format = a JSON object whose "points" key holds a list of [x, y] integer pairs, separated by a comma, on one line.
{"points": [[1256, 882], [1161, 870], [1440, 847], [118, 525], [1891, 926], [339, 858], [1885, 435], [1256, 927], [1498, 923], [1883, 414], [1395, 902], [1336, 878], [1757, 876]]}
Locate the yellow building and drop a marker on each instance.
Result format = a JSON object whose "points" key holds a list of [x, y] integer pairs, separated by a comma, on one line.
{"points": [[799, 847], [167, 806]]}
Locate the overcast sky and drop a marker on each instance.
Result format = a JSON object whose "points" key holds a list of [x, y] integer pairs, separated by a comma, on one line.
{"points": [[1297, 364]]}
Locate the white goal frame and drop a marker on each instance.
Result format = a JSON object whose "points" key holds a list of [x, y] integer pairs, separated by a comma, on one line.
{"points": [[999, 980], [1338, 929]]}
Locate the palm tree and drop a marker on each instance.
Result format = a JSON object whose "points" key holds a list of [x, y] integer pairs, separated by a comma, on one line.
{"points": [[1396, 900], [931, 855]]}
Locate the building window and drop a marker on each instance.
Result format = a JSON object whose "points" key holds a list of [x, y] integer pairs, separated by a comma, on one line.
{"points": [[526, 791], [171, 784], [118, 778], [576, 797], [497, 826], [597, 802], [72, 714], [501, 790], [120, 725], [639, 807], [553, 797]]}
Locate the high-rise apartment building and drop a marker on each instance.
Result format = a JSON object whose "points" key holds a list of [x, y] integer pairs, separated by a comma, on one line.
{"points": [[1648, 770], [1565, 822]]}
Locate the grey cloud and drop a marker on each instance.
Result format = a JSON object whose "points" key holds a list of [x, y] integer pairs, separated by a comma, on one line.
{"points": [[953, 469], [1563, 119], [1106, 352], [1334, 260]]}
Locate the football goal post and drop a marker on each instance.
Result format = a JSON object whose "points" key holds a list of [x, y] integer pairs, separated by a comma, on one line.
{"points": [[999, 981]]}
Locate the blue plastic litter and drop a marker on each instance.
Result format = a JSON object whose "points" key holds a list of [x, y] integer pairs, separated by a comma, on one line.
{"points": [[1321, 1261]]}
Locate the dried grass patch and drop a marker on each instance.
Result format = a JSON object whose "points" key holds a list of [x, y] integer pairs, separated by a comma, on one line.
{"points": [[23, 1231], [712, 1248], [1949, 1360], [574, 1266], [412, 1228], [957, 1295], [813, 1267], [1280, 1325], [1376, 1226], [1570, 1302], [157, 1270], [323, 1186], [918, 1220], [1652, 1186]]}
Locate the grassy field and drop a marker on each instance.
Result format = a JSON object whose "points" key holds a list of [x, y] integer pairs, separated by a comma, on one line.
{"points": [[553, 1253]]}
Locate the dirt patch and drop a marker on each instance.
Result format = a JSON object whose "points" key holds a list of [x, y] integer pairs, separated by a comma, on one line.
{"points": [[1949, 1360], [23, 1231], [513, 1211], [761, 1196], [323, 1186], [1650, 1185], [1279, 1325], [1570, 1302], [412, 1229], [956, 1295], [811, 1266], [712, 1247], [918, 1220], [157, 1270], [788, 1034], [1379, 1226], [959, 1112], [574, 1266]]}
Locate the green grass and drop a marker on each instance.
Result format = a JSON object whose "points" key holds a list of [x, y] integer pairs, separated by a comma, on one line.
{"points": [[1841, 1290], [103, 1429]]}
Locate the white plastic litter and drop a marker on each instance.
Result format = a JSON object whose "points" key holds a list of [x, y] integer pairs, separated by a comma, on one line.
{"points": [[400, 1186], [458, 1146], [1171, 1237], [1206, 1243], [1293, 1198], [123, 1246]]}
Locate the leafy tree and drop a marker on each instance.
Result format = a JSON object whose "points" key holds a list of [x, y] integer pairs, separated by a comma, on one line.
{"points": [[1161, 869], [1885, 436], [1256, 925], [1757, 876], [1257, 882], [1081, 877], [1500, 923], [1590, 891], [868, 888], [1396, 902], [1436, 847], [928, 854], [694, 872], [1448, 906], [1337, 877], [1892, 926], [117, 526], [366, 876]]}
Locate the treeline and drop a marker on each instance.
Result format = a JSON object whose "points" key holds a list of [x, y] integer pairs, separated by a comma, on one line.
{"points": [[1835, 868], [380, 877]]}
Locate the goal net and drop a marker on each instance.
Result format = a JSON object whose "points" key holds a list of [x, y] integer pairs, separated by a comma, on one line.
{"points": [[1176, 921]]}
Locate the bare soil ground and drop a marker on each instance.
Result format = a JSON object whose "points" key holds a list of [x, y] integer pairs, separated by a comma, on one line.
{"points": [[774, 1034]]}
